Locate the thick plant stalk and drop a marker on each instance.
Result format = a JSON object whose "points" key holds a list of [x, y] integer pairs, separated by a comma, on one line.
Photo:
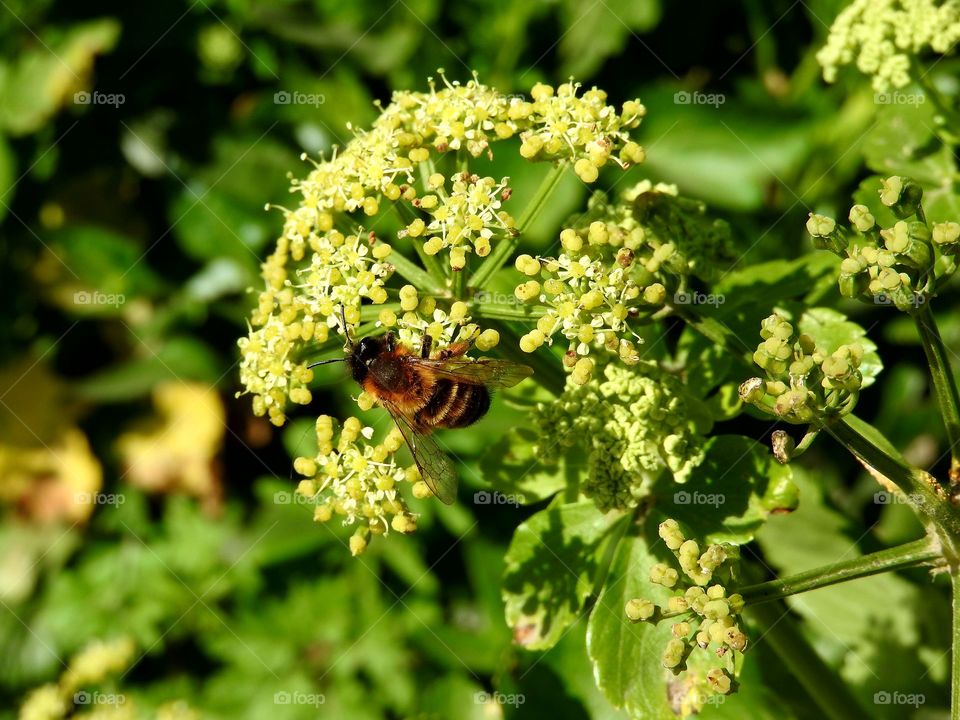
{"points": [[944, 386]]}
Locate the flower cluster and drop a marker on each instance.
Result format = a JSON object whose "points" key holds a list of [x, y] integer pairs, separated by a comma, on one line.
{"points": [[562, 125], [704, 615], [358, 481], [901, 265], [620, 263], [463, 219], [881, 36], [634, 426], [804, 381]]}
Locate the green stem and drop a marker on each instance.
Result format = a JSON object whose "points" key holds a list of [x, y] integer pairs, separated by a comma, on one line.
{"points": [[459, 287], [415, 275], [504, 248], [944, 385], [821, 681], [430, 262], [912, 554], [546, 366], [494, 311], [920, 488], [955, 657]]}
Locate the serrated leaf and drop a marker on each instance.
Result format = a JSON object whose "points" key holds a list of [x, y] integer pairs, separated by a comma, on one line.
{"points": [[551, 566]]}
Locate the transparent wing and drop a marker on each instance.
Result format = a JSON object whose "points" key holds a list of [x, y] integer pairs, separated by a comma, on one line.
{"points": [[435, 467], [480, 371]]}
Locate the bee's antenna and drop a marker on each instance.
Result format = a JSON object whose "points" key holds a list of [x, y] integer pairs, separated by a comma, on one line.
{"points": [[325, 362], [343, 324]]}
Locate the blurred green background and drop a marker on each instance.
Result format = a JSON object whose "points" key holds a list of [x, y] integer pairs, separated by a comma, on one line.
{"points": [[142, 499]]}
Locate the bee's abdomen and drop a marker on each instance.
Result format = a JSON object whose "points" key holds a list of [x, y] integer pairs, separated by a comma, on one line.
{"points": [[454, 405]]}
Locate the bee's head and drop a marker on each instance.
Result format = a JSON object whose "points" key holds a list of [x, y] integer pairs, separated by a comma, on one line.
{"points": [[364, 353]]}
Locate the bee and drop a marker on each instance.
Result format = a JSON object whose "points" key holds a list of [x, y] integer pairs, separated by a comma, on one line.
{"points": [[428, 390]]}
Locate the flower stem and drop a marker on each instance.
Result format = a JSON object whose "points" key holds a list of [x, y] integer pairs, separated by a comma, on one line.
{"points": [[504, 249], [822, 682], [546, 367], [944, 385], [495, 311], [416, 275], [430, 262], [912, 554], [921, 489], [955, 656]]}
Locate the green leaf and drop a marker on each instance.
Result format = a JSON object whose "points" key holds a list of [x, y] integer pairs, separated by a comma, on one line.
{"points": [[551, 566], [595, 31], [626, 657], [731, 493], [45, 77], [512, 468]]}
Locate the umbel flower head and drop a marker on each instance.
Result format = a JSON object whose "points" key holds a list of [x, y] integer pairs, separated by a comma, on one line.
{"points": [[358, 481], [881, 37], [620, 263], [706, 634], [634, 425], [902, 265], [325, 260], [804, 382]]}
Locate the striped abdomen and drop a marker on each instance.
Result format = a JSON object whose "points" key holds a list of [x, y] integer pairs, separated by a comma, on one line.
{"points": [[453, 405]]}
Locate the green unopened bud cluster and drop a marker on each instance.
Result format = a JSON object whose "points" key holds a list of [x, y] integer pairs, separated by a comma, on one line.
{"points": [[900, 265], [703, 614], [619, 264], [803, 381], [633, 425]]}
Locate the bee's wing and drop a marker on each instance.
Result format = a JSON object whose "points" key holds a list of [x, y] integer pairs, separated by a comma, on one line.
{"points": [[435, 467], [480, 371]]}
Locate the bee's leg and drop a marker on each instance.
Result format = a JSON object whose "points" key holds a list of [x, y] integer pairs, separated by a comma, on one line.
{"points": [[391, 341], [426, 344]]}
